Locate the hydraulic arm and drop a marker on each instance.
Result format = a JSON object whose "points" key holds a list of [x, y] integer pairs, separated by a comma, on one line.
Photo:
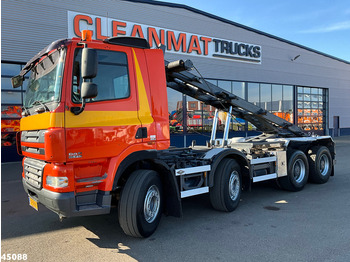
{"points": [[181, 79]]}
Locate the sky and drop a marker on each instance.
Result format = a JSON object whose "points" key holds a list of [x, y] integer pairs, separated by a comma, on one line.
{"points": [[323, 25]]}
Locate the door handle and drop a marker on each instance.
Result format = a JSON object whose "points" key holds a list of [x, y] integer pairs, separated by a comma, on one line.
{"points": [[141, 133]]}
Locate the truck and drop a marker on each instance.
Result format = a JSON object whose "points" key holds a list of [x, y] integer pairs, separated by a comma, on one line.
{"points": [[94, 134]]}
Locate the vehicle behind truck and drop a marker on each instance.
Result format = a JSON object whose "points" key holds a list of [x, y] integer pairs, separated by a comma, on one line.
{"points": [[95, 134]]}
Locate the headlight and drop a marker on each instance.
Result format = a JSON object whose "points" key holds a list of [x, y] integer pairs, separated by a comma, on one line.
{"points": [[57, 181]]}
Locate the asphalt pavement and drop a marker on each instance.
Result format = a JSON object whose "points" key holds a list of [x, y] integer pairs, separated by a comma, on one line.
{"points": [[269, 225]]}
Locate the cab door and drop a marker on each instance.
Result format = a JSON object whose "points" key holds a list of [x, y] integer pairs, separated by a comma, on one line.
{"points": [[110, 121]]}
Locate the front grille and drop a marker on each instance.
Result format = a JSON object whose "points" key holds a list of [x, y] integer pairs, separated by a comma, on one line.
{"points": [[33, 172], [33, 136], [35, 150]]}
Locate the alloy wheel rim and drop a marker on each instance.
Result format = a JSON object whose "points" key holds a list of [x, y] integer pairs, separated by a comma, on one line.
{"points": [[324, 165], [151, 204], [234, 185], [299, 170]]}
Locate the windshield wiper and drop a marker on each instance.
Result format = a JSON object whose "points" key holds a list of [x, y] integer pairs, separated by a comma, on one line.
{"points": [[26, 111], [40, 109]]}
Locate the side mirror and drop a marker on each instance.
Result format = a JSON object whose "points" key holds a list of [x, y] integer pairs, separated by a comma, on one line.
{"points": [[88, 90], [89, 63], [17, 81]]}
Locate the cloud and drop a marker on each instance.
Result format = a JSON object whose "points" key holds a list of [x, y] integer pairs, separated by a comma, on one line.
{"points": [[331, 28]]}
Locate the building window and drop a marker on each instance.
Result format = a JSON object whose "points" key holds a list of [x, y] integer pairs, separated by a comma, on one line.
{"points": [[238, 89], [199, 116], [10, 69], [312, 109], [213, 81], [11, 105], [175, 111], [254, 93], [288, 103], [277, 99], [265, 97], [226, 85]]}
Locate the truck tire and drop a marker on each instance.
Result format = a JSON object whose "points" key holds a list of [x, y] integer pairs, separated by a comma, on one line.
{"points": [[320, 162], [297, 172], [141, 202], [226, 192]]}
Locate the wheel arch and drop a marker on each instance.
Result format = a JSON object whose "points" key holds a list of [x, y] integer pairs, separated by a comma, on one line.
{"points": [[148, 160], [306, 145]]}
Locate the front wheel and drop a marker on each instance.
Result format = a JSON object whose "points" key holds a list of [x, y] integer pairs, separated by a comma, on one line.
{"points": [[140, 205], [226, 192]]}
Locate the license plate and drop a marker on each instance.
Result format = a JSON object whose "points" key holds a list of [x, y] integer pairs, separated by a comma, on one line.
{"points": [[33, 203]]}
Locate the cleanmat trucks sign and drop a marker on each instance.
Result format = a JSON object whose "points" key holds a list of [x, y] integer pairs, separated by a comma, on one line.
{"points": [[175, 41]]}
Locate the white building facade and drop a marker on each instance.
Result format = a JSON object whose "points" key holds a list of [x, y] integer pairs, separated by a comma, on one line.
{"points": [[304, 86]]}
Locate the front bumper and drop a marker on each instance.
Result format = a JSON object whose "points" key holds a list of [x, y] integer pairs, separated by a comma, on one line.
{"points": [[70, 204]]}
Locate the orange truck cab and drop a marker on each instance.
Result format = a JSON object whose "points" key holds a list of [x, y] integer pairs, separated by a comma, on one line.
{"points": [[71, 160]]}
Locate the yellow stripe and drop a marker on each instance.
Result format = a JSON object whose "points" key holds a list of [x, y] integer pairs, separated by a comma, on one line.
{"points": [[102, 118], [85, 119], [42, 121], [144, 109]]}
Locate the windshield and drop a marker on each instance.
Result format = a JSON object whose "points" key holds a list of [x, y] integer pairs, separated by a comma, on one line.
{"points": [[45, 80]]}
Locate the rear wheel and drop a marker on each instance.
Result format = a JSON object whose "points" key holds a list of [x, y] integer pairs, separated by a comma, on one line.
{"points": [[226, 192], [320, 165], [140, 205], [298, 172]]}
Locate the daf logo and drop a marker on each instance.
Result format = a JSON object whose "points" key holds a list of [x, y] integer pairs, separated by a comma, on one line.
{"points": [[75, 155]]}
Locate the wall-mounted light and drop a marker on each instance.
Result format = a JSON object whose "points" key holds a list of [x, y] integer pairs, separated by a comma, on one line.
{"points": [[295, 58]]}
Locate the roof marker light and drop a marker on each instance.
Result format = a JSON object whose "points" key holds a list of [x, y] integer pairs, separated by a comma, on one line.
{"points": [[86, 35]]}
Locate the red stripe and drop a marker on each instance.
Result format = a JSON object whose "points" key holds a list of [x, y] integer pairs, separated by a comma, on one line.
{"points": [[35, 145]]}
